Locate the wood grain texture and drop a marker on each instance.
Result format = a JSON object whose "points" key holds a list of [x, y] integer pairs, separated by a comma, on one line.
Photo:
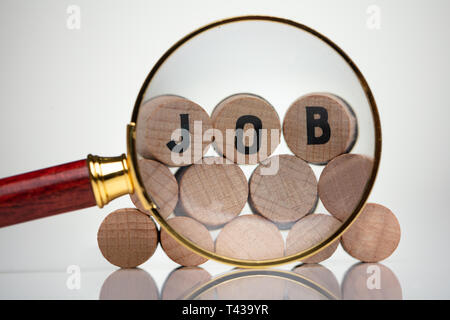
{"points": [[225, 119], [193, 231], [310, 231], [45, 192], [127, 238], [129, 284], [182, 281], [319, 275], [250, 237], [342, 124], [285, 194], [159, 118], [160, 184], [374, 235], [213, 193], [342, 183], [371, 281]]}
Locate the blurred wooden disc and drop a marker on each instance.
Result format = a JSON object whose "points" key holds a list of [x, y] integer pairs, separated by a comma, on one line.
{"points": [[238, 120], [342, 183], [182, 281], [213, 193], [374, 235], [319, 126], [127, 238], [129, 284], [161, 119], [321, 276], [250, 237], [193, 231], [283, 189], [371, 281], [310, 231], [160, 184]]}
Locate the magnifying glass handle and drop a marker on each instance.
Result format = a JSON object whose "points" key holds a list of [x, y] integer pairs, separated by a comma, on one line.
{"points": [[63, 188]]}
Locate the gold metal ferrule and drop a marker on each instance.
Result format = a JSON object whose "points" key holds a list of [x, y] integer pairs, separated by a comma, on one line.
{"points": [[110, 178]]}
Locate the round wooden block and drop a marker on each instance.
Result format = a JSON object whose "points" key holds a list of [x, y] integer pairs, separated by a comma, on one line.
{"points": [[162, 130], [342, 183], [283, 189], [247, 128], [321, 276], [193, 231], [160, 184], [371, 281], [308, 232], [374, 235], [129, 284], [127, 238], [213, 193], [182, 281], [250, 237], [319, 126]]}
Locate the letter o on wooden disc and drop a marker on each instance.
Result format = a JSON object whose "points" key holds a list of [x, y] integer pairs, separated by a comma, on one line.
{"points": [[171, 129], [247, 128], [319, 126]]}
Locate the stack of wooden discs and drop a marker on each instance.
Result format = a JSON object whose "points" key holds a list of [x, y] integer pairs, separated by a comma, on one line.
{"points": [[281, 209]]}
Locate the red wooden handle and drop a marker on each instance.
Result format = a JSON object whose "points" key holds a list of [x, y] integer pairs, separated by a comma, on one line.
{"points": [[45, 192]]}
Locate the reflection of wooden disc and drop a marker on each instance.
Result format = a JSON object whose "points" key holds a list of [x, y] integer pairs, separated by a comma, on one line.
{"points": [[374, 235], [213, 193], [181, 282], [283, 189], [310, 231], [247, 128], [321, 276], [129, 284], [160, 184], [250, 237], [127, 238], [319, 126], [159, 135], [342, 183], [193, 231], [371, 281]]}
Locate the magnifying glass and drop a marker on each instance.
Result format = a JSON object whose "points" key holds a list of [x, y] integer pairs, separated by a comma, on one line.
{"points": [[272, 134]]}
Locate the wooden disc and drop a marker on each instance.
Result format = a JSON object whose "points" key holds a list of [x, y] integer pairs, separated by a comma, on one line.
{"points": [[319, 126], [161, 119], [283, 189], [193, 231], [342, 184], [213, 193], [160, 184], [374, 235], [127, 238], [129, 284], [371, 281], [250, 237], [321, 276], [182, 281], [238, 122], [310, 231]]}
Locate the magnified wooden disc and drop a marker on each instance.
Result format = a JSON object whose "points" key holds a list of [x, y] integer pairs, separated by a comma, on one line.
{"points": [[374, 235], [182, 281], [310, 231], [371, 281], [250, 237], [159, 135], [319, 126], [342, 183], [247, 128], [193, 231], [321, 276], [160, 184], [129, 284], [127, 238], [213, 193], [283, 189]]}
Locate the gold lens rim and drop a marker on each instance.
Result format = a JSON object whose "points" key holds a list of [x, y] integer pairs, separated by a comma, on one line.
{"points": [[147, 201]]}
